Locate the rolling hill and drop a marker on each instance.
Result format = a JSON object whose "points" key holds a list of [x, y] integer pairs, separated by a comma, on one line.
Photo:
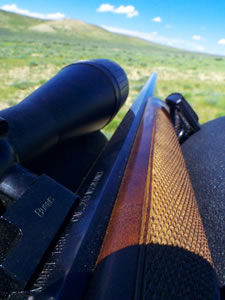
{"points": [[68, 28]]}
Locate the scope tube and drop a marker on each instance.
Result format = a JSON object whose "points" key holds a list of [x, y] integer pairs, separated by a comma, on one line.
{"points": [[82, 98]]}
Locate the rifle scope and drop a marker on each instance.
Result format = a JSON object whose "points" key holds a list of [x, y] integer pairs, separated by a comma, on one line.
{"points": [[82, 98]]}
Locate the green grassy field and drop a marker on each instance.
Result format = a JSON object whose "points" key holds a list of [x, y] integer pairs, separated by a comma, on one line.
{"points": [[32, 51]]}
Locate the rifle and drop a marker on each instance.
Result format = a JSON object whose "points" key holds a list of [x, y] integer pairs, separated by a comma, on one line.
{"points": [[113, 219]]}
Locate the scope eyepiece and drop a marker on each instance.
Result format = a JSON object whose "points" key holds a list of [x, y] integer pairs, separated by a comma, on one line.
{"points": [[82, 98], [115, 75]]}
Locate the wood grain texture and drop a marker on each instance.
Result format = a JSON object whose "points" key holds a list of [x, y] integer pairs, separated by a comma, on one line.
{"points": [[156, 202], [125, 226]]}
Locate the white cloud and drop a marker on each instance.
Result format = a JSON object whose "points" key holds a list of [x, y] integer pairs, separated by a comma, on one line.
{"points": [[106, 8], [128, 10], [221, 41], [15, 9], [196, 37], [157, 19]]}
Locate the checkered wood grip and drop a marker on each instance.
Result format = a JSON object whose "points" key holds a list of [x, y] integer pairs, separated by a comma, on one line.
{"points": [[177, 256]]}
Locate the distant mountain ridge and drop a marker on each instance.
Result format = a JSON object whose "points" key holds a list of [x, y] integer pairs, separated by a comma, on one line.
{"points": [[69, 27]]}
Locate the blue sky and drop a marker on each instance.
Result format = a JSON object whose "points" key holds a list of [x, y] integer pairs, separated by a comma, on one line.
{"points": [[197, 25]]}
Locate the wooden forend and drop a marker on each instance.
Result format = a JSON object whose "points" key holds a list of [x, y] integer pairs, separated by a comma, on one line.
{"points": [[155, 245]]}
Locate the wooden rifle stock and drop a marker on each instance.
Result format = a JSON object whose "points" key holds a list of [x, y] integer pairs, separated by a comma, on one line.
{"points": [[155, 246]]}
